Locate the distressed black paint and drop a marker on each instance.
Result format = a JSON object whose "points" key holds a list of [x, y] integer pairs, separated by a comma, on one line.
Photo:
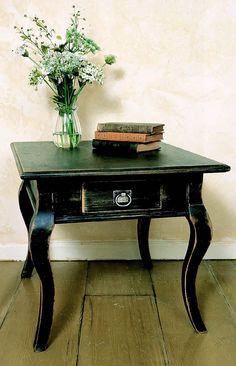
{"points": [[78, 186]]}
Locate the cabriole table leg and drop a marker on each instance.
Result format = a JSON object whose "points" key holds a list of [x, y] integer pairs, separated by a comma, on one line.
{"points": [[27, 212], [39, 234], [200, 238], [143, 231]]}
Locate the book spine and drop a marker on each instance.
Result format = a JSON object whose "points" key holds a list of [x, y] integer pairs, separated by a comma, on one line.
{"points": [[123, 146], [121, 127], [126, 136]]}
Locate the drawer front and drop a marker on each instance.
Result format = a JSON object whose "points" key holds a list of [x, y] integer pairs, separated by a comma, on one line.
{"points": [[124, 196]]}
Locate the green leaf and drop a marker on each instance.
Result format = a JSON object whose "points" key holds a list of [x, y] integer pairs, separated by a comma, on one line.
{"points": [[44, 48]]}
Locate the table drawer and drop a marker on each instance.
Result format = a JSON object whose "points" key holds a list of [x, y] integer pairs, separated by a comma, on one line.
{"points": [[116, 196]]}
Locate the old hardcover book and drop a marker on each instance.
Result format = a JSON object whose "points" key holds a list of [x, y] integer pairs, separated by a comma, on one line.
{"points": [[132, 127], [124, 146], [128, 136]]}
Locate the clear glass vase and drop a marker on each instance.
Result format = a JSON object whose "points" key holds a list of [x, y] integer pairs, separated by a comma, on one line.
{"points": [[67, 132]]}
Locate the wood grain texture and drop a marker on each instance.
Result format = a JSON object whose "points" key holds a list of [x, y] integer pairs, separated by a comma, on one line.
{"points": [[98, 196], [118, 278], [224, 273], [185, 347], [18, 329], [120, 331], [9, 283]]}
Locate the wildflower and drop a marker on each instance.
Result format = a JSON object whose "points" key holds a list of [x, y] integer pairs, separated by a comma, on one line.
{"points": [[35, 77], [63, 62], [22, 51], [110, 59]]}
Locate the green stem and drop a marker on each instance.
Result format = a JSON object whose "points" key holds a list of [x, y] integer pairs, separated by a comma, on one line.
{"points": [[79, 91], [36, 63], [29, 40], [44, 79], [65, 92]]}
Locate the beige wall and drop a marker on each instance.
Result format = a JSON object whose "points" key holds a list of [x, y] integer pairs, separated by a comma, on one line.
{"points": [[176, 64]]}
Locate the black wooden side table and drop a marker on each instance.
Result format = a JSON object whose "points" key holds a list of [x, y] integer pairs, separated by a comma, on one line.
{"points": [[66, 186]]}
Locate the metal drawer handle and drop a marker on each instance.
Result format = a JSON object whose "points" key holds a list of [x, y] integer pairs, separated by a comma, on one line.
{"points": [[122, 198]]}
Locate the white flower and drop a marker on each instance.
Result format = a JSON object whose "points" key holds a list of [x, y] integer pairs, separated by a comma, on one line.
{"points": [[58, 40], [89, 72], [62, 62], [22, 51]]}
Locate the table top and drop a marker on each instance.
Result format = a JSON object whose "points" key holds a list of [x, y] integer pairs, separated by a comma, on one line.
{"points": [[44, 160]]}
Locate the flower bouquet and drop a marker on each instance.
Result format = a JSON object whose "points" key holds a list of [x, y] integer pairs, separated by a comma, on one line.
{"points": [[65, 65]]}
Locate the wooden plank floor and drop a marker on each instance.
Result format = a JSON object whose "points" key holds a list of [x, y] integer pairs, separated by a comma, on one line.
{"points": [[117, 313]]}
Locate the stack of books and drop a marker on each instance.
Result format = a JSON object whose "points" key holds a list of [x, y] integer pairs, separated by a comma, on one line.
{"points": [[128, 137]]}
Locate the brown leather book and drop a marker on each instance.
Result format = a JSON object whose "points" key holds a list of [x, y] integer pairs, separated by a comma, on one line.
{"points": [[126, 136], [109, 146], [132, 127]]}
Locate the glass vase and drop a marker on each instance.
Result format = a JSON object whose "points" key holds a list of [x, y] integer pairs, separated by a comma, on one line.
{"points": [[67, 132]]}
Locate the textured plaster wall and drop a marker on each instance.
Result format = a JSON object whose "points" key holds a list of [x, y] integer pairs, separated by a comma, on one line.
{"points": [[176, 64]]}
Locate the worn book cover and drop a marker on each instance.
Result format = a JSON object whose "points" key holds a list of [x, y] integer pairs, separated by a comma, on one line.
{"points": [[124, 146], [128, 136], [132, 127]]}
